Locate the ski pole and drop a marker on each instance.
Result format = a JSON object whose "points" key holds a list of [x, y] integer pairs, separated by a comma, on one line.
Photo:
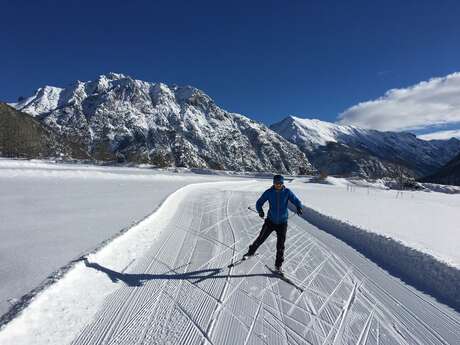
{"points": [[250, 208]]}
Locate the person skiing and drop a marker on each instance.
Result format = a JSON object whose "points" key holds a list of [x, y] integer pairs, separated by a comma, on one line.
{"points": [[278, 197]]}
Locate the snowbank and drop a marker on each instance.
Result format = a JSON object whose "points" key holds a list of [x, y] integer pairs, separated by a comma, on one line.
{"points": [[424, 221], [412, 234], [419, 269]]}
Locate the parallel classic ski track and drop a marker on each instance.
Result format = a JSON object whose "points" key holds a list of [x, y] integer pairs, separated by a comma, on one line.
{"points": [[182, 292], [216, 312]]}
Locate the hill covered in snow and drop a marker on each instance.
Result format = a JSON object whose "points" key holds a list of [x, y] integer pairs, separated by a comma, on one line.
{"points": [[120, 118], [349, 150]]}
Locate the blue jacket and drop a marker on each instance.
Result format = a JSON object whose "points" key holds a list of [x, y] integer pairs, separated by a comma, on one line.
{"points": [[278, 200]]}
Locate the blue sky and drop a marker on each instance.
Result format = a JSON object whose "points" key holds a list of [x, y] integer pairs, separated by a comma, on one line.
{"points": [[265, 59]]}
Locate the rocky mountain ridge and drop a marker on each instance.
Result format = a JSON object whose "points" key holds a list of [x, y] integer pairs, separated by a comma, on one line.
{"points": [[120, 118], [350, 150]]}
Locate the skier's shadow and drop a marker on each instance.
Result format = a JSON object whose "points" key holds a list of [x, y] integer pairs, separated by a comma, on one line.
{"points": [[138, 279]]}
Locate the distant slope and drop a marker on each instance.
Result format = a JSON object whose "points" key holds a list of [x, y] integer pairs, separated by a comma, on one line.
{"points": [[23, 136], [349, 150], [448, 174], [118, 117]]}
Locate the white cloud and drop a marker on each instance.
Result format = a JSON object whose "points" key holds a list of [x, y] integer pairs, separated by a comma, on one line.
{"points": [[453, 133], [429, 103]]}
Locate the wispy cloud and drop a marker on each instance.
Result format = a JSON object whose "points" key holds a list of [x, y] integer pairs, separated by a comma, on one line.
{"points": [[453, 133], [429, 103]]}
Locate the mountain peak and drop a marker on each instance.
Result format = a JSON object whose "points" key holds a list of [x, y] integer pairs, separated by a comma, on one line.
{"points": [[313, 132], [44, 99], [186, 92], [317, 122], [113, 76]]}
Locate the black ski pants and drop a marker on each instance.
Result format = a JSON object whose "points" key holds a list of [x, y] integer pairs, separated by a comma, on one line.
{"points": [[267, 229]]}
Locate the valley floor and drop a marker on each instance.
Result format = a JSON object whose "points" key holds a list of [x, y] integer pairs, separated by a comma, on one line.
{"points": [[166, 281], [51, 214]]}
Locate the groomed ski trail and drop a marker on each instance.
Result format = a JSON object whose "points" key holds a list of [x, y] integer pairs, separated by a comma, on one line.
{"points": [[182, 292]]}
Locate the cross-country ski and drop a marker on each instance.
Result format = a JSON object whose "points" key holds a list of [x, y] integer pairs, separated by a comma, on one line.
{"points": [[241, 260], [282, 276]]}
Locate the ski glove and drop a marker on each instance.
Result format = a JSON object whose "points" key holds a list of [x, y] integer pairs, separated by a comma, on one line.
{"points": [[261, 214], [299, 211]]}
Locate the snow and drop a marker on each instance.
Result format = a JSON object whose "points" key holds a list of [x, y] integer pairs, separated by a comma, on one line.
{"points": [[412, 234], [441, 188], [427, 222], [49, 99], [166, 281], [57, 212], [83, 303], [321, 132]]}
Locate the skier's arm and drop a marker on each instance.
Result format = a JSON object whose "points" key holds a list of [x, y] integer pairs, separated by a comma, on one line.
{"points": [[261, 201], [295, 200]]}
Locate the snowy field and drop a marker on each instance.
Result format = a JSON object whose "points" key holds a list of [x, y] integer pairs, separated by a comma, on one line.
{"points": [[166, 281], [426, 221], [415, 235], [51, 214]]}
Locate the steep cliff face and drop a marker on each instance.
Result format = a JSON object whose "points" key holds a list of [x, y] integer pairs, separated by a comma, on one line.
{"points": [[117, 117]]}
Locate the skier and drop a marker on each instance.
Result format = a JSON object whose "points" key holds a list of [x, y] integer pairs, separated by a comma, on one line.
{"points": [[278, 197]]}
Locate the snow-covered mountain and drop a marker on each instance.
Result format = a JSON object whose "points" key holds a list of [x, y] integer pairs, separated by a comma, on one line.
{"points": [[118, 117], [347, 150]]}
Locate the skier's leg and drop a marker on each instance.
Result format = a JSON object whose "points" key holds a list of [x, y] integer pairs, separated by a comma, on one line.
{"points": [[281, 230], [263, 235]]}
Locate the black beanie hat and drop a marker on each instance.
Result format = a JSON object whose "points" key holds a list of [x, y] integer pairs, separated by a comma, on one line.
{"points": [[278, 178]]}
